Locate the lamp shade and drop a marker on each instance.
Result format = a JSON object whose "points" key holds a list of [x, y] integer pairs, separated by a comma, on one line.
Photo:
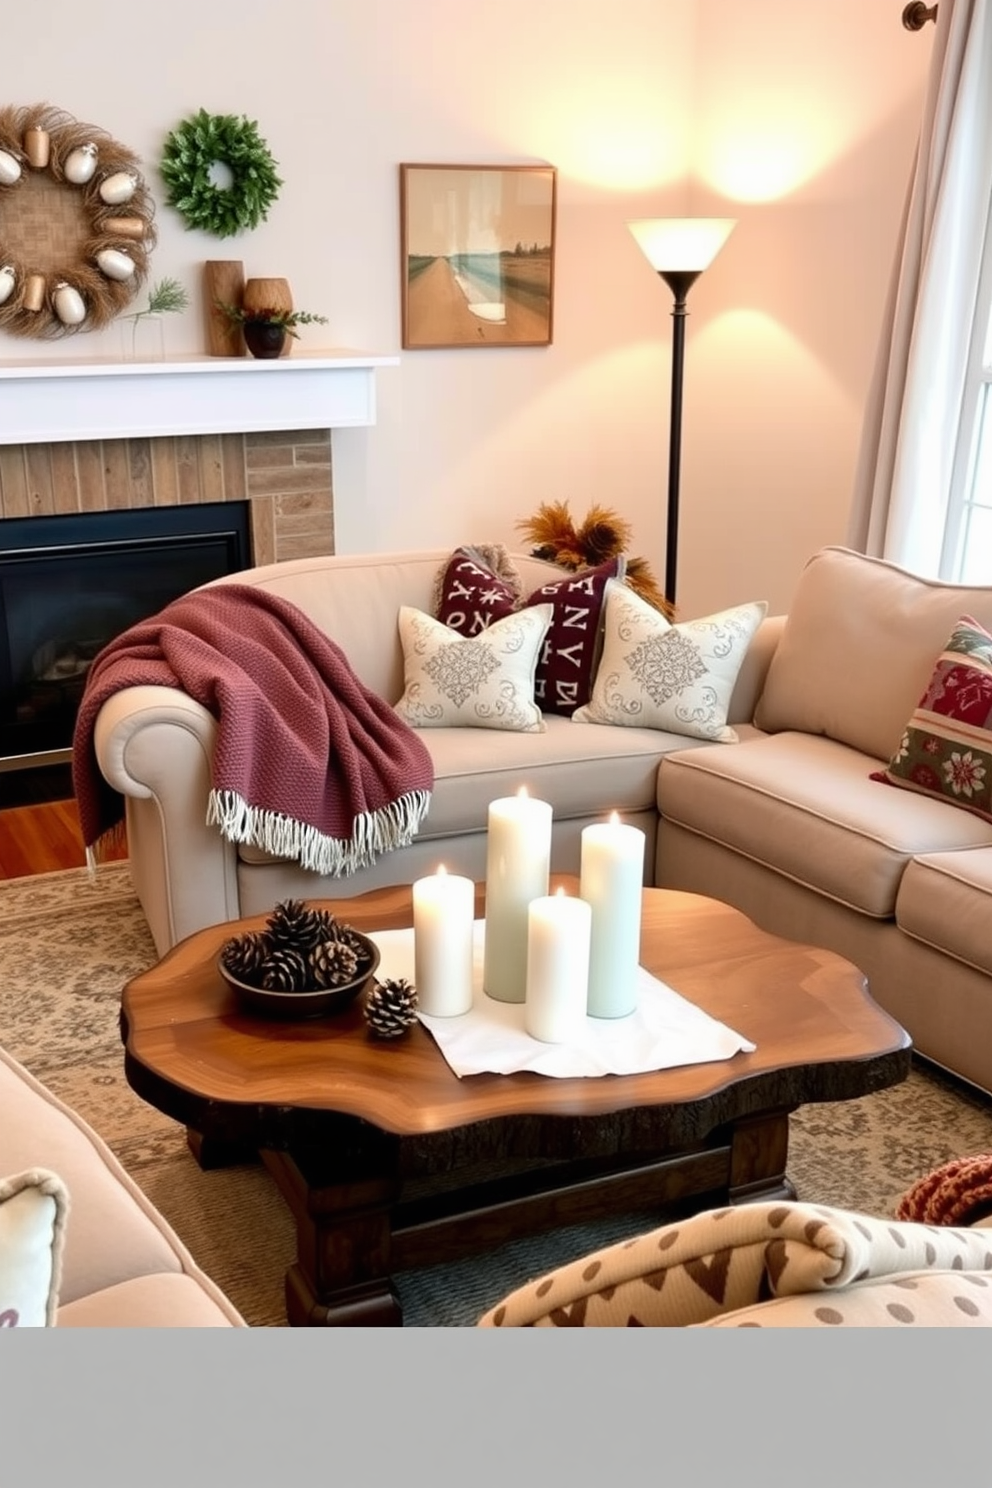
{"points": [[685, 244]]}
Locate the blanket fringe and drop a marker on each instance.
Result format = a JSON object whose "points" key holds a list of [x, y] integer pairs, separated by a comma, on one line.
{"points": [[375, 832]]}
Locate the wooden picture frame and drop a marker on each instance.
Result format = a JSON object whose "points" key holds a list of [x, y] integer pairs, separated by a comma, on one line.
{"points": [[477, 255]]}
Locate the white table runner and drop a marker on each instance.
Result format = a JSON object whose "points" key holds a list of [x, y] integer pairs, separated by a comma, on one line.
{"points": [[664, 1030]]}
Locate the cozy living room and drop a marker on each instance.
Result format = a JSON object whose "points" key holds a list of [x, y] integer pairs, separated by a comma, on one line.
{"points": [[495, 661]]}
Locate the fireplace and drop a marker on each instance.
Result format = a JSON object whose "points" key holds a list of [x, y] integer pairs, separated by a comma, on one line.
{"points": [[70, 584]]}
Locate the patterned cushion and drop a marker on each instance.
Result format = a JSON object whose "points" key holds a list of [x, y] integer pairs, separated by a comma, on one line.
{"points": [[33, 1208], [653, 674], [472, 597], [946, 750], [714, 1263], [484, 681]]}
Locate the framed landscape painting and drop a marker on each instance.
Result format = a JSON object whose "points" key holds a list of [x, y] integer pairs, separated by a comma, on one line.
{"points": [[477, 254]]}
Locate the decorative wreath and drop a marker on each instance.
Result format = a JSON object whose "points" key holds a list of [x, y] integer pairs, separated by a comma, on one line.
{"points": [[75, 224], [204, 141]]}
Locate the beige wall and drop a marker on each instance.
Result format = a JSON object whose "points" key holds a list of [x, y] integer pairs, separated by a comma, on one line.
{"points": [[796, 120]]}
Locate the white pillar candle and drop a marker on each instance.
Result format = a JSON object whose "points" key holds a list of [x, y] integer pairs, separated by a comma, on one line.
{"points": [[611, 881], [558, 930], [443, 918], [518, 866]]}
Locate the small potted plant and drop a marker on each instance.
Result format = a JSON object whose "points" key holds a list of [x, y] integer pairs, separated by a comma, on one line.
{"points": [[266, 328]]}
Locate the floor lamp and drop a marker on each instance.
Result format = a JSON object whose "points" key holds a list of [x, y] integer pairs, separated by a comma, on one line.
{"points": [[679, 249]]}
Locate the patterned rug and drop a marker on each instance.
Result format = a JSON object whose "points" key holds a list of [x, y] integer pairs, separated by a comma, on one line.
{"points": [[68, 944]]}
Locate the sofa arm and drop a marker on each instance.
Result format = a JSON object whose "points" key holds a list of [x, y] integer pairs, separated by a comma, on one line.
{"points": [[751, 678], [155, 745]]}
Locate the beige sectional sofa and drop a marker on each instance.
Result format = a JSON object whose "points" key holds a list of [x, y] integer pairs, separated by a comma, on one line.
{"points": [[120, 1264], [785, 824]]}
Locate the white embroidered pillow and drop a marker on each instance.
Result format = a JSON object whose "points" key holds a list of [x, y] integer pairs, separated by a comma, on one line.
{"points": [[33, 1208], [680, 678], [483, 681]]}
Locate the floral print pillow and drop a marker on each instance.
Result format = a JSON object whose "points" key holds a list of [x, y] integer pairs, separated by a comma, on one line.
{"points": [[946, 749]]}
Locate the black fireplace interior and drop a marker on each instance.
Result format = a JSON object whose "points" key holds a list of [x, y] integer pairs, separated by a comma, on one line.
{"points": [[68, 585]]}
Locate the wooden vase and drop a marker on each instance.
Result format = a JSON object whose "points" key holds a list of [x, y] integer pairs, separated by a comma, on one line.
{"points": [[224, 280], [269, 294]]}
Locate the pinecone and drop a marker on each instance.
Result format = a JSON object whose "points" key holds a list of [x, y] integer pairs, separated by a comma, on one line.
{"points": [[332, 963], [284, 970], [243, 956], [294, 924], [390, 1007]]}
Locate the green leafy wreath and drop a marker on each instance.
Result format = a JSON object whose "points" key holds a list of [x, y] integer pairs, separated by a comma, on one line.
{"points": [[201, 142]]}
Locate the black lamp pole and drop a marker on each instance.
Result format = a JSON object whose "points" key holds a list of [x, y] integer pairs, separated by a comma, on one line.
{"points": [[679, 281]]}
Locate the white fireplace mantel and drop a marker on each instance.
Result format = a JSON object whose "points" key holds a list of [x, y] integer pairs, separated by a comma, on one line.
{"points": [[50, 402]]}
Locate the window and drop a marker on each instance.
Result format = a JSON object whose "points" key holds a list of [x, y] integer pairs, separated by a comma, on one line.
{"points": [[967, 550]]}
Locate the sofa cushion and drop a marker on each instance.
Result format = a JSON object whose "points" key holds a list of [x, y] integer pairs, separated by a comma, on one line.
{"points": [[33, 1208], [858, 647], [804, 806], [944, 901], [472, 595], [484, 681], [653, 674], [946, 748]]}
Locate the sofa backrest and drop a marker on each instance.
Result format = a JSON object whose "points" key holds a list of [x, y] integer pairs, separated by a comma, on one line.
{"points": [[858, 648], [356, 599]]}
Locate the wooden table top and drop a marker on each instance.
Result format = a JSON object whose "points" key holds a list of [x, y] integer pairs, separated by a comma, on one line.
{"points": [[818, 1034]]}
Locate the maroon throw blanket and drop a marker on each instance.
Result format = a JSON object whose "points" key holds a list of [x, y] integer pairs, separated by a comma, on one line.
{"points": [[309, 763]]}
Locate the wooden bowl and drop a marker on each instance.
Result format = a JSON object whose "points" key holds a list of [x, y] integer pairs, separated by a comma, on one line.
{"points": [[320, 1002]]}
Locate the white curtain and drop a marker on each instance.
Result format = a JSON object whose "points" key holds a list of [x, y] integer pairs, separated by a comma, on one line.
{"points": [[911, 419]]}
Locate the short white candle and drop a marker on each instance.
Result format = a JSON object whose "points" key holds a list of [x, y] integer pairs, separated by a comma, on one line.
{"points": [[443, 918], [611, 881], [558, 930], [518, 867]]}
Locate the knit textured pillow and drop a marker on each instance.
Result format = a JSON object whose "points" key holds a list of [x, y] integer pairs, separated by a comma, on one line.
{"points": [[946, 749], [472, 596], [483, 681], [679, 678], [33, 1208]]}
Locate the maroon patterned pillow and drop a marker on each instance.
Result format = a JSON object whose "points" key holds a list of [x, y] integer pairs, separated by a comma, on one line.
{"points": [[567, 663], [471, 597]]}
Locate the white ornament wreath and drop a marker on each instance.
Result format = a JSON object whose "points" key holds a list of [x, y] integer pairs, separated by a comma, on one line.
{"points": [[76, 224]]}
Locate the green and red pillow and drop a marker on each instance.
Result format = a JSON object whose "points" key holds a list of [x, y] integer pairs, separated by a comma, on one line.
{"points": [[471, 596], [946, 749]]}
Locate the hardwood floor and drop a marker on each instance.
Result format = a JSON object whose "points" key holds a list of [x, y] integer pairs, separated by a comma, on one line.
{"points": [[41, 839]]}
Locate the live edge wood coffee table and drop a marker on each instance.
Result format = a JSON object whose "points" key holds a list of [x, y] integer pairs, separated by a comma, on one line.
{"points": [[389, 1161]]}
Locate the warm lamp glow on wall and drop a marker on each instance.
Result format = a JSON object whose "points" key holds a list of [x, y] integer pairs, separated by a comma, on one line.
{"points": [[678, 249]]}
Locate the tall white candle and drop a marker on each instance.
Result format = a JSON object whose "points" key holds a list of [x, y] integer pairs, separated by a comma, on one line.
{"points": [[443, 918], [611, 881], [558, 930], [518, 866]]}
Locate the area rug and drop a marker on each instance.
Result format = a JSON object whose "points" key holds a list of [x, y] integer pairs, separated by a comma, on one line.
{"points": [[68, 943]]}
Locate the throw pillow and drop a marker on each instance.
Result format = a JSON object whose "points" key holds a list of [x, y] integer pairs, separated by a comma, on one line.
{"points": [[946, 749], [33, 1208], [680, 678], [472, 595], [484, 681]]}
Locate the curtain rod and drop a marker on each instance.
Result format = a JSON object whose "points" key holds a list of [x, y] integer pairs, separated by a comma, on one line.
{"points": [[915, 16]]}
